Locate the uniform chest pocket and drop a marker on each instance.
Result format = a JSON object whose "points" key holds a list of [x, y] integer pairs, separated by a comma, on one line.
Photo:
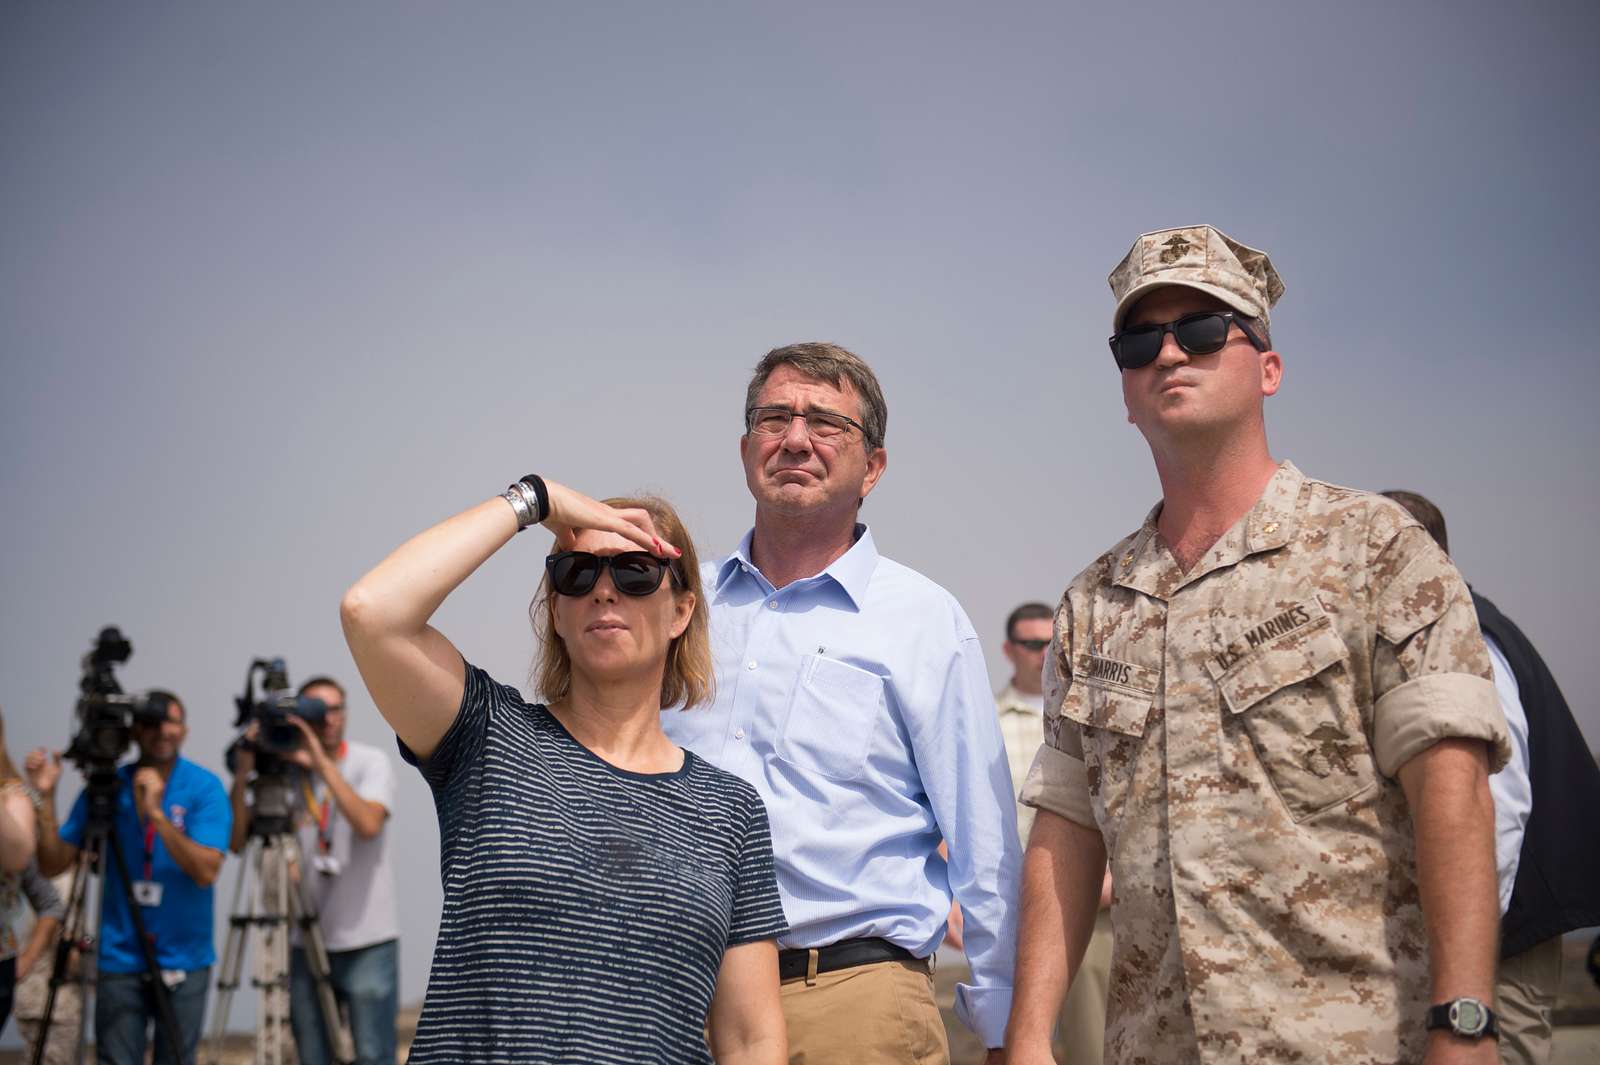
{"points": [[1286, 683], [833, 712], [1113, 711]]}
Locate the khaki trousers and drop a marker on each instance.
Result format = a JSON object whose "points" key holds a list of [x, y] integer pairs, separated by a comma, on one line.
{"points": [[1524, 998], [879, 1014], [1081, 1028]]}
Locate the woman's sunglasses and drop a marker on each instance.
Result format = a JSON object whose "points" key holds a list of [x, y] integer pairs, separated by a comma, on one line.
{"points": [[1197, 334], [632, 572]]}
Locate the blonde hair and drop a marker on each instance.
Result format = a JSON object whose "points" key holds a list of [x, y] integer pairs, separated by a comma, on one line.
{"points": [[688, 678]]}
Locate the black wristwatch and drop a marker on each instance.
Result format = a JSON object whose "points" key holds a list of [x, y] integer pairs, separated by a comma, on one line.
{"points": [[1466, 1017]]}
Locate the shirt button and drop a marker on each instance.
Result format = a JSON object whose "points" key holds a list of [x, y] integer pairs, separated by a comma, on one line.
{"points": [[738, 734], [750, 665], [772, 604]]}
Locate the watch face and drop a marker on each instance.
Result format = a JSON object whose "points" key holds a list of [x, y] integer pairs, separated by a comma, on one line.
{"points": [[1467, 1016]]}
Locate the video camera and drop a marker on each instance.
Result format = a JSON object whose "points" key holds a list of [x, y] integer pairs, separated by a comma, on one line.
{"points": [[271, 710], [106, 715], [273, 791]]}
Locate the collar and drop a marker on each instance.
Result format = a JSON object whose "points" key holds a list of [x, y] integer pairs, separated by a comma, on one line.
{"points": [[851, 571], [1147, 565]]}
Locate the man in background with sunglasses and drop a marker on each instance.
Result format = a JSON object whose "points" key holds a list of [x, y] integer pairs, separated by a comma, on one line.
{"points": [[1272, 708], [852, 693]]}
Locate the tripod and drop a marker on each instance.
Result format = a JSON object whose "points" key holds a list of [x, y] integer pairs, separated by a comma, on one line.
{"points": [[270, 911], [99, 831]]}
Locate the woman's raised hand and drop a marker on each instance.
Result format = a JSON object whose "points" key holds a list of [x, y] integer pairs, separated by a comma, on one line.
{"points": [[572, 511]]}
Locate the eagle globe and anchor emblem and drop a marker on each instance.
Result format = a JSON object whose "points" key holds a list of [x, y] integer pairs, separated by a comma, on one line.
{"points": [[1175, 248]]}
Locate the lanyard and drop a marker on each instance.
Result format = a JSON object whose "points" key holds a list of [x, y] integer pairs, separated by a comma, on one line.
{"points": [[149, 851], [322, 809]]}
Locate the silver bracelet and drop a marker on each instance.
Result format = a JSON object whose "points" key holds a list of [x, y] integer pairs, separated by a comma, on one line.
{"points": [[530, 497], [519, 504]]}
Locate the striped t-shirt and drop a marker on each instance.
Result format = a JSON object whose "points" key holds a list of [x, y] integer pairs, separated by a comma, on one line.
{"points": [[586, 908]]}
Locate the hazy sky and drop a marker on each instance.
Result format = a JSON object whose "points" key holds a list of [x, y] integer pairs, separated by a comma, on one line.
{"points": [[281, 286]]}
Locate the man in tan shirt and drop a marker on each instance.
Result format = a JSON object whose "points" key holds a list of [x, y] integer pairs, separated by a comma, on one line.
{"points": [[1270, 706], [1020, 703]]}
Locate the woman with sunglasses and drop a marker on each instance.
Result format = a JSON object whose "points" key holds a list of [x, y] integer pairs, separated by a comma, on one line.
{"points": [[607, 895]]}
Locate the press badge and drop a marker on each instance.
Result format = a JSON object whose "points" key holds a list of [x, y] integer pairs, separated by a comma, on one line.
{"points": [[147, 892], [326, 864]]}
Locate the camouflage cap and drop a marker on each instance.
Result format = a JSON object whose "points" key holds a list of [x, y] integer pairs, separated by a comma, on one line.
{"points": [[1198, 257]]}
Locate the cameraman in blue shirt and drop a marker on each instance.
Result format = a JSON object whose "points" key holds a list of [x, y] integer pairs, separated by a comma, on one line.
{"points": [[172, 822]]}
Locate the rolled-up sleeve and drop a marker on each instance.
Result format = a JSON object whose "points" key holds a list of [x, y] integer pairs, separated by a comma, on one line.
{"points": [[1440, 706], [1431, 675], [1058, 780], [1059, 783]]}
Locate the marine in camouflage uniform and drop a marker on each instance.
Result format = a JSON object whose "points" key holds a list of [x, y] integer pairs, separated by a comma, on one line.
{"points": [[1234, 732]]}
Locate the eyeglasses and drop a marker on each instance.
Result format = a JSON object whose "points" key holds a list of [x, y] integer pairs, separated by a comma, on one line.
{"points": [[636, 573], [1032, 645], [821, 424], [1197, 334]]}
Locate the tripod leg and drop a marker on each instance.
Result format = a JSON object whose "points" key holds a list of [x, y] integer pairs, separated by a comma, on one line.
{"points": [[166, 1019], [239, 923], [272, 964], [316, 953]]}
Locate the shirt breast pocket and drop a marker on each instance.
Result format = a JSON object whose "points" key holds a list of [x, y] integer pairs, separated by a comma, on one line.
{"points": [[1293, 696], [833, 712], [1113, 719]]}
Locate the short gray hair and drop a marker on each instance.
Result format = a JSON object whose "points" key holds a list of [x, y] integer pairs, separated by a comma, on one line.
{"points": [[835, 365]]}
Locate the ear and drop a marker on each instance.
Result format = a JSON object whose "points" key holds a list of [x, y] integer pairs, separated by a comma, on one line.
{"points": [[682, 611], [877, 462], [1271, 372]]}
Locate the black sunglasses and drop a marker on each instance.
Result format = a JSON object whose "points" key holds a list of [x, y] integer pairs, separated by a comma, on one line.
{"points": [[633, 572], [1032, 645], [1197, 334]]}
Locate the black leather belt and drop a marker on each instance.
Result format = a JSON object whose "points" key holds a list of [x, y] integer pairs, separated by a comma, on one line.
{"points": [[846, 954]]}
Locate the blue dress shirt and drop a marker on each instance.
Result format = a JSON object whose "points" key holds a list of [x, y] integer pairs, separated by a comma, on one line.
{"points": [[857, 703]]}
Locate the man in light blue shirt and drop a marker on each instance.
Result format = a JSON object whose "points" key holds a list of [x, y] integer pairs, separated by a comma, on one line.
{"points": [[852, 693]]}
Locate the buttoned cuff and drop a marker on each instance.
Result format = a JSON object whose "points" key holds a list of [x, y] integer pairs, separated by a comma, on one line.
{"points": [[1059, 783], [985, 1010], [1409, 719]]}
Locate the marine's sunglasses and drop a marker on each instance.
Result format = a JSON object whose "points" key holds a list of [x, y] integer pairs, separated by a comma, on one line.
{"points": [[1200, 333], [1032, 645], [636, 573]]}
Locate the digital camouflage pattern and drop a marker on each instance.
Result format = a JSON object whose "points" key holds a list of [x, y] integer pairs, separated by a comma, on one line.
{"points": [[1200, 257], [1234, 733]]}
